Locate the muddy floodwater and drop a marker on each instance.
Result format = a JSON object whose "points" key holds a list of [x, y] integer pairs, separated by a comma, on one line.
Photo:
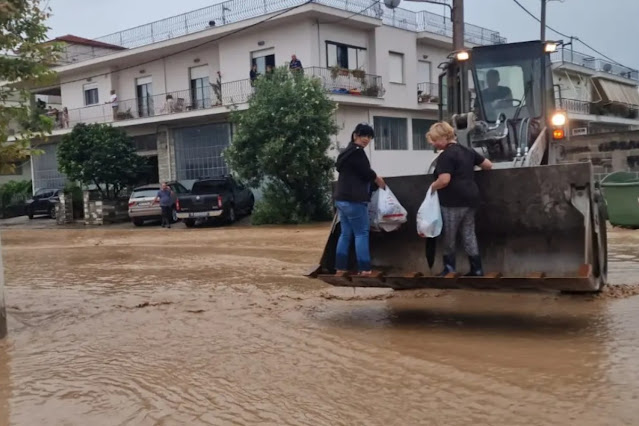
{"points": [[216, 326]]}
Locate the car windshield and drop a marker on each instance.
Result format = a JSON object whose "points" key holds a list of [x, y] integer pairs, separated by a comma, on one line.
{"points": [[144, 193], [210, 187]]}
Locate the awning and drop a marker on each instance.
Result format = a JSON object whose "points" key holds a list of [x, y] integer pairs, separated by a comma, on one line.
{"points": [[617, 92]]}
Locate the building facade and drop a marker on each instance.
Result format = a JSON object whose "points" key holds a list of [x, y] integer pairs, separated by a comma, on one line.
{"points": [[177, 79]]}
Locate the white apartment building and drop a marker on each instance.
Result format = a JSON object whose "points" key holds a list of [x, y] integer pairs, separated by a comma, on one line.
{"points": [[176, 79], [599, 96]]}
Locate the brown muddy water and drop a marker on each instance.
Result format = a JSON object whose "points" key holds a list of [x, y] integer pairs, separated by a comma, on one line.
{"points": [[216, 326]]}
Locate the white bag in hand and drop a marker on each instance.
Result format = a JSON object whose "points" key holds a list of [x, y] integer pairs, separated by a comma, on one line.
{"points": [[390, 213], [372, 212], [429, 216]]}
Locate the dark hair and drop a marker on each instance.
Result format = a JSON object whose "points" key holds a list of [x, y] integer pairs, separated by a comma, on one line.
{"points": [[363, 129]]}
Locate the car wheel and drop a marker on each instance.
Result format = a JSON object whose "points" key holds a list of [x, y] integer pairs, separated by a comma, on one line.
{"points": [[138, 222], [174, 217], [52, 212], [230, 215], [189, 223], [30, 214]]}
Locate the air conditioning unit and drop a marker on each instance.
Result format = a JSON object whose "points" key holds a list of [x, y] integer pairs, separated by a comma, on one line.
{"points": [[580, 131]]}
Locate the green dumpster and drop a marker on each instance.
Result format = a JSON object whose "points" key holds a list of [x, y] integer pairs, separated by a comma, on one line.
{"points": [[621, 193]]}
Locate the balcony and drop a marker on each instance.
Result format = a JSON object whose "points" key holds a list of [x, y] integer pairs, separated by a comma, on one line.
{"points": [[234, 11], [428, 93], [226, 94], [593, 63], [336, 82], [630, 112], [339, 81]]}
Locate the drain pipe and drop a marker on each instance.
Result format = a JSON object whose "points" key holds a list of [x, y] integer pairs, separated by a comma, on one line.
{"points": [[3, 308]]}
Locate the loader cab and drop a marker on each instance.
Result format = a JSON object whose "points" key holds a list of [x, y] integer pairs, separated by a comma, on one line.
{"points": [[502, 86]]}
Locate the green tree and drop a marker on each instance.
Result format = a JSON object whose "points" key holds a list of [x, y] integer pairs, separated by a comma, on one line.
{"points": [[102, 155], [24, 63], [282, 142]]}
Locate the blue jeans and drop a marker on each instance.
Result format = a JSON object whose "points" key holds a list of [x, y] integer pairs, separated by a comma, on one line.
{"points": [[353, 219]]}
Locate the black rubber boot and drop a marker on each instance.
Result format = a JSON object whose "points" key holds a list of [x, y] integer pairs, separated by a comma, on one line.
{"points": [[449, 265], [476, 269]]}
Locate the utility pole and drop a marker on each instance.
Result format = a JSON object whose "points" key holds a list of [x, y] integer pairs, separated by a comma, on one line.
{"points": [[543, 20], [458, 24], [3, 308]]}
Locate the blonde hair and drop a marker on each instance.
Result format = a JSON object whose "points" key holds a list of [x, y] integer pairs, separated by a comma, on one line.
{"points": [[440, 130]]}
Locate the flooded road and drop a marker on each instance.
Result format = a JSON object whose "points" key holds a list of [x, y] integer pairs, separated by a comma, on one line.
{"points": [[216, 326]]}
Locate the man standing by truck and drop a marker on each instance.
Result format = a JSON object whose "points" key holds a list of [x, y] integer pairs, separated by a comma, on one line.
{"points": [[165, 197]]}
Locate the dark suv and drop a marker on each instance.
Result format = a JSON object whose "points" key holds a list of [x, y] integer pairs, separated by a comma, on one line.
{"points": [[43, 202]]}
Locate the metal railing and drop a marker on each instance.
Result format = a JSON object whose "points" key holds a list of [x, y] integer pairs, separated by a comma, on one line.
{"points": [[576, 106], [224, 94], [593, 63], [233, 11], [428, 93], [348, 82]]}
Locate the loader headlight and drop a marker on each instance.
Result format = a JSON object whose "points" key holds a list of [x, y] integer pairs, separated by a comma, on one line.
{"points": [[550, 47], [462, 55], [559, 119]]}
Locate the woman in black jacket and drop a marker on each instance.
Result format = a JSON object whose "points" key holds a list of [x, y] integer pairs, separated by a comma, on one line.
{"points": [[351, 199]]}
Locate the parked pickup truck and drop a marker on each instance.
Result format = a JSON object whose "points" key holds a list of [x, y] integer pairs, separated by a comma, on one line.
{"points": [[220, 199]]}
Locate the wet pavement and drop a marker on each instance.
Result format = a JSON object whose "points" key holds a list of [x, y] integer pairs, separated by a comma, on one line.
{"points": [[148, 326]]}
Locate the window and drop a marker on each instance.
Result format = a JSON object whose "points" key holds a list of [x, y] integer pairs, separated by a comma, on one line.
{"points": [[263, 58], [390, 133], [145, 97], [420, 128], [91, 94], [200, 87], [345, 56], [396, 67]]}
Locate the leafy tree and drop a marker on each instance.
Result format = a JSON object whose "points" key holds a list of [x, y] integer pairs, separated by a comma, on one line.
{"points": [[24, 62], [102, 155], [282, 142]]}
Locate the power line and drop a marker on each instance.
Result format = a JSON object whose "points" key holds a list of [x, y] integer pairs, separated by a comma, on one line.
{"points": [[570, 37], [196, 46]]}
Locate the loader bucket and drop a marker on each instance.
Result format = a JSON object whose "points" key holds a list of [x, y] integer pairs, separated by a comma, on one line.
{"points": [[538, 228]]}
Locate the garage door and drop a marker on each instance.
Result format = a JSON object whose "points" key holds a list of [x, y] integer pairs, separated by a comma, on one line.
{"points": [[198, 150]]}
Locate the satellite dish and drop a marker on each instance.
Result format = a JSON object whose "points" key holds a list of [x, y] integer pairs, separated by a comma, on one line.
{"points": [[392, 4], [607, 67]]}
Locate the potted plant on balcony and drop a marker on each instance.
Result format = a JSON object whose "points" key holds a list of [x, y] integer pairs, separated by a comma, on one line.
{"points": [[359, 74], [337, 70]]}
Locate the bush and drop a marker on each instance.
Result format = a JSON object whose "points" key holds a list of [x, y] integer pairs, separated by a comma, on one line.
{"points": [[282, 143], [13, 194]]}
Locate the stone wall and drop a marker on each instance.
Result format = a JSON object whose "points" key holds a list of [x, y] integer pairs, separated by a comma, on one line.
{"points": [[64, 209], [608, 152], [101, 212]]}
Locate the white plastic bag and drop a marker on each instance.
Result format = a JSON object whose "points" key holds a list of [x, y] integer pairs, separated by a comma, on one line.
{"points": [[429, 216], [385, 211]]}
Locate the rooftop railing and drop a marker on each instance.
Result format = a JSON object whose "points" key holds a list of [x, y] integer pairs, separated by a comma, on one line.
{"points": [[593, 63], [233, 11]]}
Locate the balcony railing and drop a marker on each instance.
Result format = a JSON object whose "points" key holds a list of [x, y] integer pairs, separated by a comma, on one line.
{"points": [[593, 63], [428, 93], [234, 11], [230, 93], [593, 108], [348, 82], [226, 94]]}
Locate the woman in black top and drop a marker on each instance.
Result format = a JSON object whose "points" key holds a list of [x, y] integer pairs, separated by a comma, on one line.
{"points": [[458, 195], [351, 199]]}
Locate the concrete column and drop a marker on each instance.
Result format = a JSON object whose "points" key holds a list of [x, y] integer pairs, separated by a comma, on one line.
{"points": [[3, 308]]}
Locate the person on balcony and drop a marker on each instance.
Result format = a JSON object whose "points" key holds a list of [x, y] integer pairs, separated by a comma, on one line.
{"points": [[296, 64], [253, 74], [114, 104]]}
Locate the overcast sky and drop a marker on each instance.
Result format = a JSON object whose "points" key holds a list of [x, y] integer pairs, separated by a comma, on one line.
{"points": [[610, 26]]}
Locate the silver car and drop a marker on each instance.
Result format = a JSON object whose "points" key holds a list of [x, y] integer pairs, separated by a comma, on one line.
{"points": [[142, 208]]}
